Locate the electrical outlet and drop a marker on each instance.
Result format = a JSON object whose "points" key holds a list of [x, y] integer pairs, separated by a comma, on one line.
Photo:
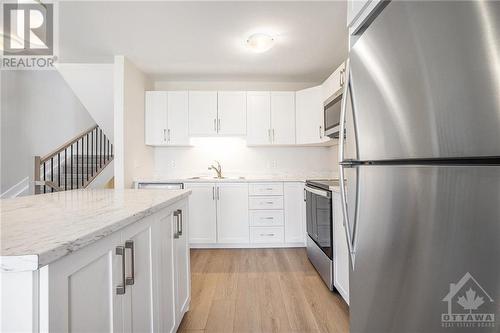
{"points": [[172, 164], [274, 164]]}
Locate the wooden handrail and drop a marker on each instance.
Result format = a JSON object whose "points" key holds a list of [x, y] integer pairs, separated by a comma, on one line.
{"points": [[66, 144]]}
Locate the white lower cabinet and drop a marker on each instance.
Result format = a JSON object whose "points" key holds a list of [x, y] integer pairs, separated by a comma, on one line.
{"points": [[240, 214], [341, 251], [202, 213], [182, 279], [295, 228], [134, 280], [232, 213], [218, 213]]}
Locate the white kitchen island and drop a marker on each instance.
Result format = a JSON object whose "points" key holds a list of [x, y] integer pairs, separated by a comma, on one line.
{"points": [[95, 261]]}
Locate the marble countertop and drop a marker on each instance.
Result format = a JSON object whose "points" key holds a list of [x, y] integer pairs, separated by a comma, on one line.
{"points": [[39, 229], [246, 179]]}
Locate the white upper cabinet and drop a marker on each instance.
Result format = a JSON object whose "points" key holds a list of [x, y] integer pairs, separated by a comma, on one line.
{"points": [[156, 117], [177, 118], [232, 112], [309, 116], [258, 117], [270, 118], [334, 82], [203, 112], [166, 118], [283, 117]]}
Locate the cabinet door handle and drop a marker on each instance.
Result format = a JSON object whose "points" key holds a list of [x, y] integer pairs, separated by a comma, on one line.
{"points": [[320, 132], [164, 135], [130, 279], [215, 124], [218, 194], [179, 213], [168, 135], [120, 251], [269, 135], [176, 216], [218, 125], [213, 193], [274, 137]]}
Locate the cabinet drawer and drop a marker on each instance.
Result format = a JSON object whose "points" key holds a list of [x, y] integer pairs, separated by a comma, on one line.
{"points": [[265, 189], [267, 235], [265, 203], [266, 218]]}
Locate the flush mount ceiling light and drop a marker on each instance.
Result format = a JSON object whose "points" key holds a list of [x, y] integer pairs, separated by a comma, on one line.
{"points": [[260, 42]]}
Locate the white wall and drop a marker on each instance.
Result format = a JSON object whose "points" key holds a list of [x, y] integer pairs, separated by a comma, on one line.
{"points": [[93, 85], [133, 159], [232, 85], [39, 112], [239, 160]]}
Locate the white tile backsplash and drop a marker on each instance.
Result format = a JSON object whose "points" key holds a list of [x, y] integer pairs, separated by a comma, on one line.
{"points": [[239, 160]]}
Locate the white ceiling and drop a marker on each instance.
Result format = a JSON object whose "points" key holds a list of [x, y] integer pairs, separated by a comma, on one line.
{"points": [[205, 40]]}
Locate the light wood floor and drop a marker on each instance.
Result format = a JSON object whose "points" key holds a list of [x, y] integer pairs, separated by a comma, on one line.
{"points": [[260, 290]]}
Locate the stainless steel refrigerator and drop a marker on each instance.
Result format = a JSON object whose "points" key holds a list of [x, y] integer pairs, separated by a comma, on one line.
{"points": [[421, 164]]}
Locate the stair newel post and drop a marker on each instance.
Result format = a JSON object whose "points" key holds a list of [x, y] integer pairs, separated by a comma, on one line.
{"points": [[36, 176]]}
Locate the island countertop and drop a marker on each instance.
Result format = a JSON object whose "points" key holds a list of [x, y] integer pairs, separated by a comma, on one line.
{"points": [[39, 229]]}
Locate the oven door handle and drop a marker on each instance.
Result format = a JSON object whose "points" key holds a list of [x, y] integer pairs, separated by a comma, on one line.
{"points": [[325, 194]]}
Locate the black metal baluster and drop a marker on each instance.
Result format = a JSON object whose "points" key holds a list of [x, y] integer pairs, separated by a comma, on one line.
{"points": [[104, 156], [71, 156], [52, 173], [100, 150], [81, 161], [96, 142], [59, 169], [92, 152], [111, 150], [87, 157], [44, 179], [77, 161], [65, 168], [108, 150]]}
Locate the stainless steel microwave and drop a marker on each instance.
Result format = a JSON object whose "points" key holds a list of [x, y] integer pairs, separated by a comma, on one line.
{"points": [[332, 108]]}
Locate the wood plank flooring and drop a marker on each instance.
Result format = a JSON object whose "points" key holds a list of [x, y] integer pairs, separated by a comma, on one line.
{"points": [[260, 290]]}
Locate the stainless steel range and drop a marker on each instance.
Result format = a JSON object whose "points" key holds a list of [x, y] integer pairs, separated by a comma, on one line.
{"points": [[320, 227]]}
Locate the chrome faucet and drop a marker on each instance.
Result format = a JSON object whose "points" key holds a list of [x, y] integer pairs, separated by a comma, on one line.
{"points": [[217, 169]]}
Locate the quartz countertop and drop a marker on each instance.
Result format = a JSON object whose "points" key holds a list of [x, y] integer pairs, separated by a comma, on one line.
{"points": [[39, 229]]}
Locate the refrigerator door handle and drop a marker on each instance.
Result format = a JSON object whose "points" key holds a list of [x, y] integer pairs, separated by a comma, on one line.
{"points": [[343, 197]]}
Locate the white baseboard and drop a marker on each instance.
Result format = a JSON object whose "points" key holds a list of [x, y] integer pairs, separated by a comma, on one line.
{"points": [[17, 189], [245, 246]]}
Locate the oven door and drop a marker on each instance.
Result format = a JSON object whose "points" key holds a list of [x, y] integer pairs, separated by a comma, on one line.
{"points": [[319, 218]]}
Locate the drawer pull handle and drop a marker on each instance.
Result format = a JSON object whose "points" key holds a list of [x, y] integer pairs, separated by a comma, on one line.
{"points": [[267, 218], [268, 235], [129, 280], [268, 202], [120, 251]]}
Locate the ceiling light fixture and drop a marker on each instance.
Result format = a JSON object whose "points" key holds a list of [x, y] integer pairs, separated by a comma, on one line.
{"points": [[260, 42]]}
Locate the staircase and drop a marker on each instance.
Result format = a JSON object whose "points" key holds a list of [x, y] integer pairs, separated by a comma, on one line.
{"points": [[75, 164]]}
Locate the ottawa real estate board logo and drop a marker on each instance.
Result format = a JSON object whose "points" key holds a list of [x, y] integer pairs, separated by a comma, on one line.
{"points": [[28, 35], [469, 305]]}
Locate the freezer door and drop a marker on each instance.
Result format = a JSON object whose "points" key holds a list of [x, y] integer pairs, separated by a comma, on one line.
{"points": [[427, 248], [426, 81]]}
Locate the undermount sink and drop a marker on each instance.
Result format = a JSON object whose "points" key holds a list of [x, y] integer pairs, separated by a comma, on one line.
{"points": [[208, 177]]}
